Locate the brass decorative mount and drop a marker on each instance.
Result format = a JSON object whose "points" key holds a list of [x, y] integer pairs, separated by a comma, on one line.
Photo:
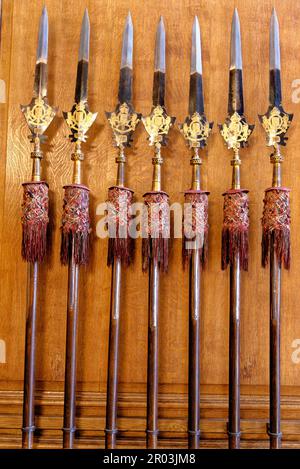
{"points": [[123, 122], [79, 120], [235, 132], [157, 125], [39, 115], [276, 123], [196, 130]]}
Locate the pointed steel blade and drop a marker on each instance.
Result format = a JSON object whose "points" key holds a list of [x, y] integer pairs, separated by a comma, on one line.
{"points": [[83, 60], [40, 79], [196, 101], [275, 80], [125, 82], [158, 94], [235, 100]]}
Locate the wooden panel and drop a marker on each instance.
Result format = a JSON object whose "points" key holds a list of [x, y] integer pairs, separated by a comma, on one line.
{"points": [[132, 419], [18, 47]]}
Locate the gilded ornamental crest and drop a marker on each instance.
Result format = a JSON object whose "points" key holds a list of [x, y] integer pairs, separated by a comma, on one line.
{"points": [[276, 123], [236, 131], [79, 120], [123, 123], [157, 125], [38, 115], [196, 130]]}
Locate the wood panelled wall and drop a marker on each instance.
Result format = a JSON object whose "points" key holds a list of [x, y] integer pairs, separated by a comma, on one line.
{"points": [[18, 48]]}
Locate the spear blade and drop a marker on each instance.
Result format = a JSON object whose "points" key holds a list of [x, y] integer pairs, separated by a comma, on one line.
{"points": [[81, 90], [41, 74], [236, 101], [275, 80], [158, 94], [196, 100], [125, 82]]}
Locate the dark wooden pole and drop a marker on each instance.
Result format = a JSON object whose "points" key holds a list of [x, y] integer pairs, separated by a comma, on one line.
{"points": [[234, 430], [194, 327], [275, 295], [30, 352], [113, 357], [194, 351], [275, 286], [69, 426], [234, 357], [114, 337], [152, 372]]}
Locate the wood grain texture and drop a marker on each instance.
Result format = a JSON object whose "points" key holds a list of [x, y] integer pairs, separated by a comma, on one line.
{"points": [[18, 48]]}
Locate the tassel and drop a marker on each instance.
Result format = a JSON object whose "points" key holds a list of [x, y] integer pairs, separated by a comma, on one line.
{"points": [[195, 225], [75, 225], [120, 244], [35, 221], [235, 228], [276, 222], [156, 230]]}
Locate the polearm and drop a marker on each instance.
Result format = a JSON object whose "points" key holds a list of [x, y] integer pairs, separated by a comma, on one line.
{"points": [[275, 224], [38, 115], [196, 130], [75, 227], [123, 122], [235, 132], [155, 241]]}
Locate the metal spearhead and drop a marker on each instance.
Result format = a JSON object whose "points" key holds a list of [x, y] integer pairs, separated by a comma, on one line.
{"points": [[236, 131], [125, 82], [158, 94], [124, 119], [276, 121], [158, 123], [196, 100], [80, 119], [235, 98], [196, 128], [39, 114], [40, 81]]}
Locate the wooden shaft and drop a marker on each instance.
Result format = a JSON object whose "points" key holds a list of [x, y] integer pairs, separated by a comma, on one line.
{"points": [[113, 357], [194, 351], [30, 351], [28, 426], [234, 357], [275, 297], [69, 427], [152, 372], [234, 429], [114, 337], [275, 293]]}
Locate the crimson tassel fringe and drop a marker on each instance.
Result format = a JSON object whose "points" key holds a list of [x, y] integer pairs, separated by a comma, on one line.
{"points": [[75, 225], [276, 222], [156, 230], [35, 221], [235, 228], [195, 225], [120, 244]]}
